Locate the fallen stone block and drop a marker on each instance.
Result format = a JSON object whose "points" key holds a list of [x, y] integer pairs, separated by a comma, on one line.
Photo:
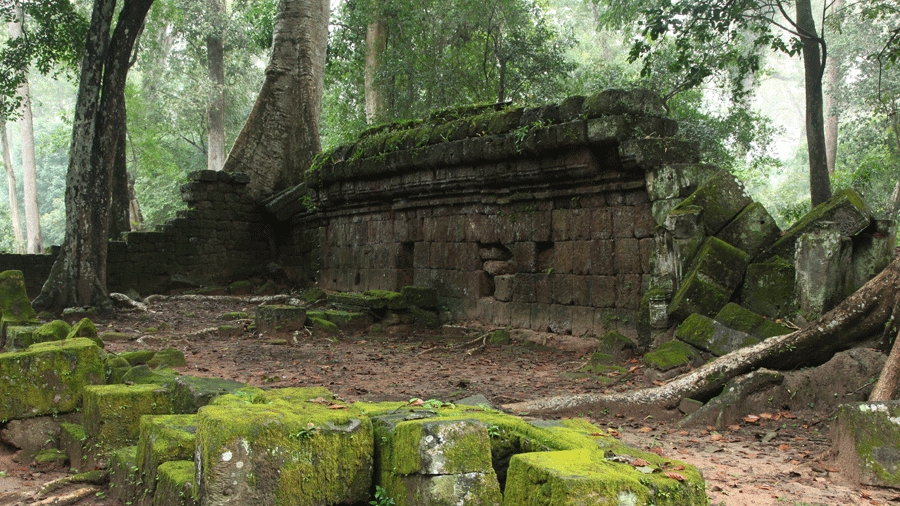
{"points": [[846, 209], [139, 357], [32, 435], [722, 197], [112, 413], [677, 180], [743, 320], [823, 259], [698, 295], [348, 320], [162, 439], [48, 378], [714, 276], [190, 393], [276, 318], [872, 252], [143, 375], [171, 357], [124, 478], [283, 447], [19, 337], [769, 288], [752, 230], [735, 401], [15, 306], [584, 477], [73, 441], [372, 300], [866, 440], [709, 335], [671, 355], [424, 318], [176, 484]]}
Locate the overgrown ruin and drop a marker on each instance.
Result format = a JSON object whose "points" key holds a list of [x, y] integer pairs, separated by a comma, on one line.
{"points": [[585, 218]]}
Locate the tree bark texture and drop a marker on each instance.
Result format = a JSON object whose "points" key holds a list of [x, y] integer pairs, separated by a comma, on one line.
{"points": [[281, 137], [119, 218], [376, 38], [34, 242], [813, 69], [11, 186], [215, 111], [889, 381], [862, 316], [78, 277], [832, 116]]}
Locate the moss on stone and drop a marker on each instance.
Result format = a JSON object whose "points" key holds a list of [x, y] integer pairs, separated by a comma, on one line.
{"points": [[15, 307], [500, 337], [234, 315], [424, 318], [345, 319], [143, 375], [171, 357], [190, 393], [697, 295], [671, 355], [314, 295], [163, 438], [124, 479], [112, 413], [110, 336], [722, 197], [51, 456], [274, 318], [420, 296], [324, 326], [744, 320], [240, 288], [48, 378], [19, 337], [85, 328], [138, 357], [769, 288], [57, 330], [116, 367], [72, 440], [177, 484]]}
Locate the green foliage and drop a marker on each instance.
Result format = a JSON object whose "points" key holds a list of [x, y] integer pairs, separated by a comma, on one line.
{"points": [[382, 498]]}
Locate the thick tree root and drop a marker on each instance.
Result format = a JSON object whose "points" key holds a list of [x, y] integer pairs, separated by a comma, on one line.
{"points": [[871, 312]]}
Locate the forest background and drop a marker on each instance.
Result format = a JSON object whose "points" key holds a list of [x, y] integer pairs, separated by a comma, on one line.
{"points": [[400, 60]]}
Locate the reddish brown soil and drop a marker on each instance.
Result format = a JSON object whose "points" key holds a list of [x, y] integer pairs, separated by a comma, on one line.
{"points": [[399, 363]]}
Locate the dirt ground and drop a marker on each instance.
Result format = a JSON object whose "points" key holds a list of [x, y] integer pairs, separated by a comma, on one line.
{"points": [[781, 459]]}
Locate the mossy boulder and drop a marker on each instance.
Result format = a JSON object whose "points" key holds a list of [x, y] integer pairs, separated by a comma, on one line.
{"points": [[229, 331], [116, 368], [314, 295], [500, 337], [616, 345], [710, 335], [275, 318], [138, 357], [424, 318], [283, 447], [85, 328], [48, 378], [714, 276], [866, 439], [671, 355], [144, 375], [722, 197], [112, 413], [752, 230], [57, 330], [15, 307], [19, 337], [744, 320], [171, 357], [163, 438], [234, 315], [176, 484], [112, 336], [323, 326], [190, 393], [769, 288], [73, 441], [346, 319]]}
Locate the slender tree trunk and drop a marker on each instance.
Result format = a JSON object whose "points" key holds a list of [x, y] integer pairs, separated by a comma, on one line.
{"points": [[119, 219], [78, 276], [281, 137], [29, 168], [11, 185], [376, 39], [215, 112], [832, 116], [134, 207], [886, 387], [813, 62]]}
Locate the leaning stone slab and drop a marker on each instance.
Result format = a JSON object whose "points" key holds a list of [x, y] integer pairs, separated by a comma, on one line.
{"points": [[846, 209], [872, 252], [709, 335], [176, 484], [274, 318], [823, 260], [162, 439], [866, 438], [112, 413], [752, 230], [190, 393], [714, 276], [283, 447], [15, 307], [769, 288], [743, 320], [698, 294], [677, 180], [48, 378], [722, 197], [584, 477]]}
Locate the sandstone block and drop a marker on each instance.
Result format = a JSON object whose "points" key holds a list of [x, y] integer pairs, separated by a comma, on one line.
{"points": [[164, 438], [769, 288], [744, 320], [722, 197], [710, 335], [752, 230]]}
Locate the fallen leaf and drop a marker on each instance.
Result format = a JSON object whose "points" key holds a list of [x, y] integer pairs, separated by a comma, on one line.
{"points": [[657, 450], [767, 416], [416, 402], [674, 476], [716, 436], [634, 368], [319, 400], [645, 429], [614, 433], [659, 383], [678, 468], [751, 419], [734, 428], [596, 434], [639, 463], [644, 469], [337, 406], [783, 448], [788, 415]]}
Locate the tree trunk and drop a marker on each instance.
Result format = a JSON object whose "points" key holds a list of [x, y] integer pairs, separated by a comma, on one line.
{"points": [[376, 39], [11, 185], [29, 168], [119, 219], [134, 207], [78, 277], [813, 68], [281, 137], [832, 85], [215, 112], [862, 316], [886, 387]]}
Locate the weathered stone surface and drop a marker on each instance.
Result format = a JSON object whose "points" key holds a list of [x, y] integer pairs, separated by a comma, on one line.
{"points": [[715, 274], [672, 355], [823, 259], [73, 441], [48, 378], [722, 197], [710, 335], [743, 320], [872, 253], [19, 337], [124, 479], [172, 357], [15, 307], [769, 288], [190, 393], [33, 435], [112, 413], [271, 319], [614, 102], [499, 268], [420, 296], [846, 209], [324, 455], [164, 438], [866, 438], [176, 484], [477, 489], [677, 180], [698, 295], [372, 299], [730, 406], [752, 230]]}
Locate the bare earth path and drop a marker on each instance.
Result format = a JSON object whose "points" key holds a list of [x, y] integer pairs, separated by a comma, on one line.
{"points": [[771, 462]]}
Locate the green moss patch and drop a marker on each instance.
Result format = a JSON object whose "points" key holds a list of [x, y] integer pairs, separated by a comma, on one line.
{"points": [[710, 335], [324, 326], [177, 484], [73, 441], [190, 393], [744, 320], [163, 439], [19, 337], [671, 355], [372, 300], [769, 288], [345, 319], [15, 306], [124, 479], [171, 357], [139, 357], [234, 315], [112, 413], [722, 197], [866, 437]]}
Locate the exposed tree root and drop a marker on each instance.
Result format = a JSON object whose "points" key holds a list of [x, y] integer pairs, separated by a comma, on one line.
{"points": [[870, 312]]}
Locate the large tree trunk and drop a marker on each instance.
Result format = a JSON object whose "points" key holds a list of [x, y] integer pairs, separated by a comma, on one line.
{"points": [[215, 112], [119, 219], [813, 69], [376, 38], [832, 85], [78, 277], [29, 167], [281, 137], [11, 185], [862, 316], [889, 380]]}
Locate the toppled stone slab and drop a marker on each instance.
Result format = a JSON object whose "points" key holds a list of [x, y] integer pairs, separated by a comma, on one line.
{"points": [[283, 447], [752, 230], [722, 197], [746, 321], [163, 439], [823, 260], [112, 413], [48, 378], [276, 318], [769, 288], [672, 355], [866, 440], [709, 335], [190, 393], [371, 300], [715, 275], [846, 209], [677, 180]]}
